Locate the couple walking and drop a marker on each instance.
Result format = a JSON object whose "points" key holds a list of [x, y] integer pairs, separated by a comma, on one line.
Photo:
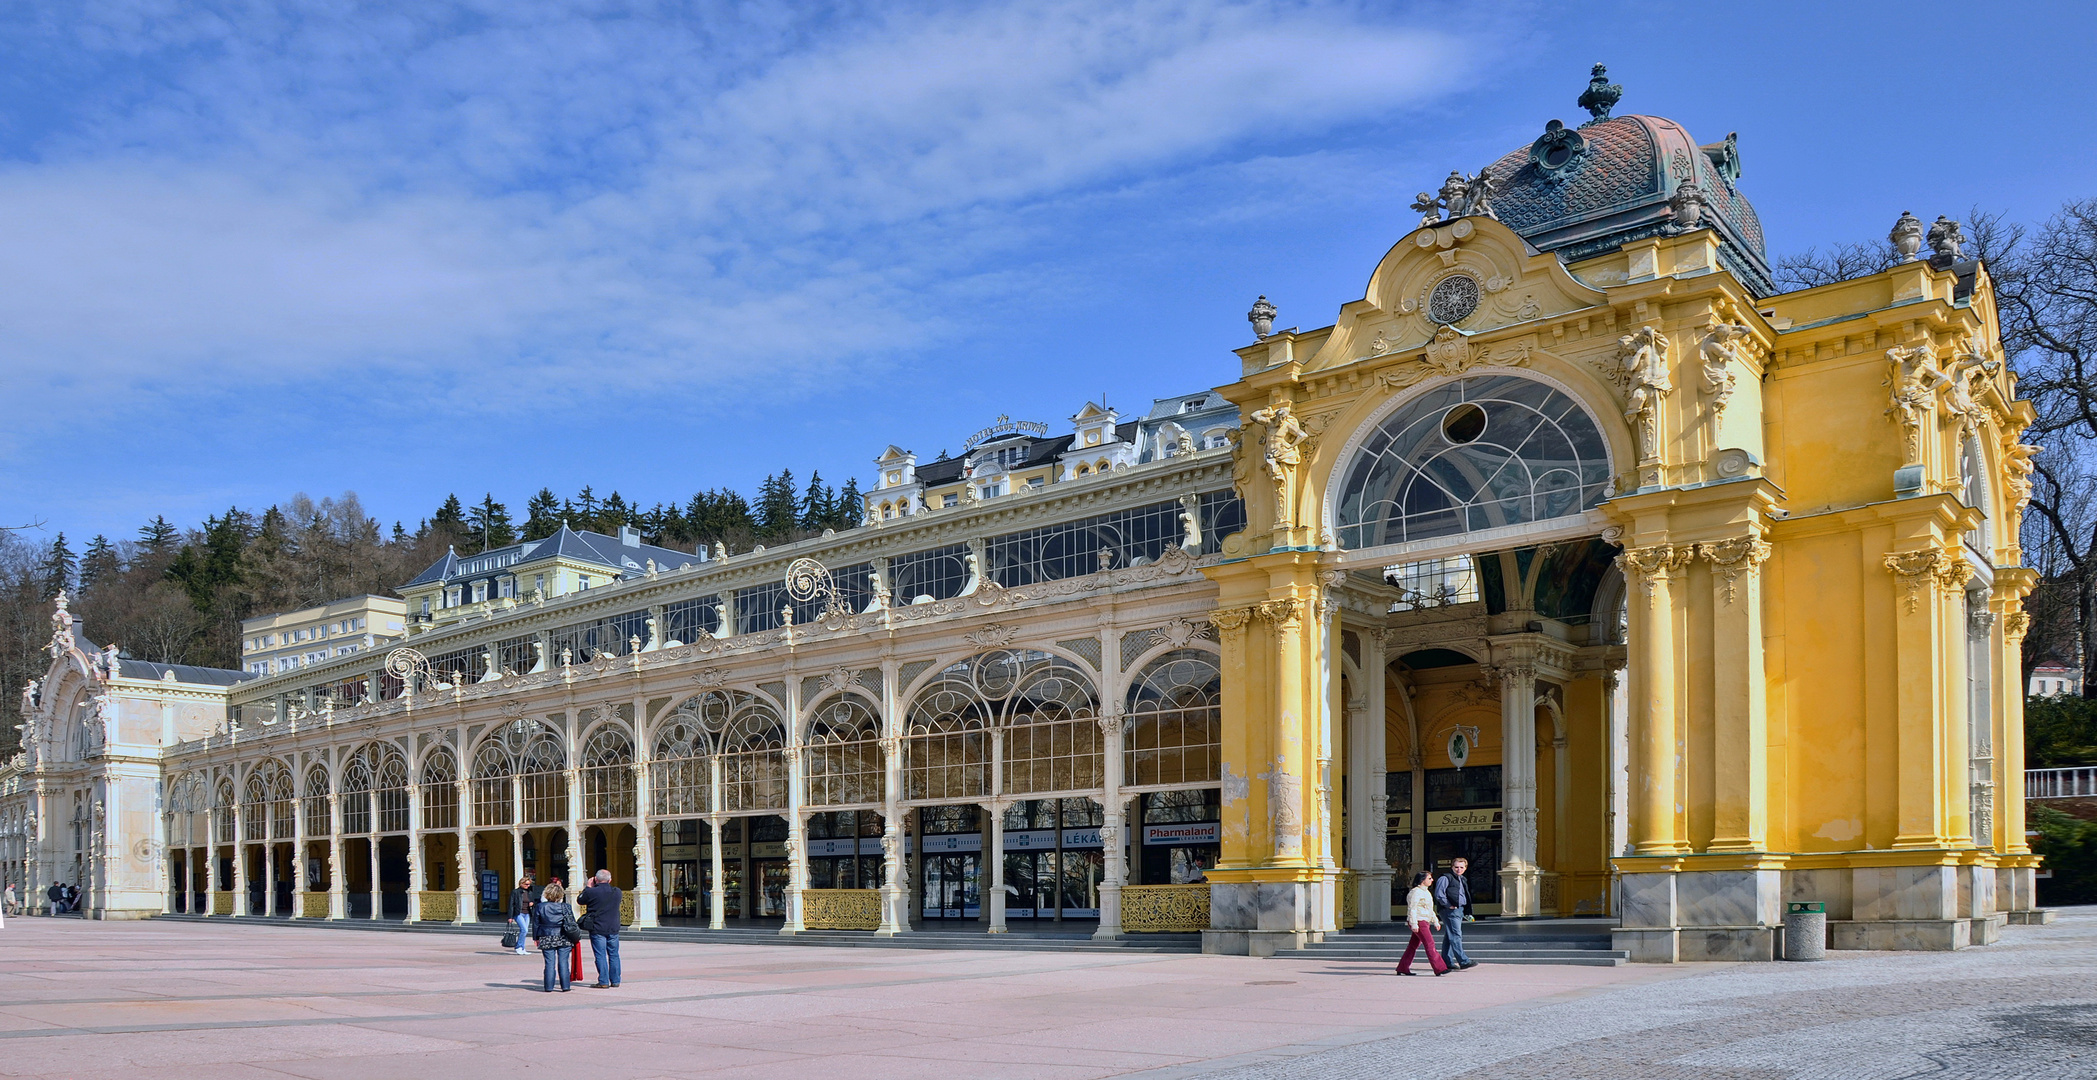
{"points": [[550, 921], [1445, 904]]}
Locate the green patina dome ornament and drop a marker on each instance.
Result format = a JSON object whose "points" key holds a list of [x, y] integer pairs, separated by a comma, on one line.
{"points": [[1601, 96]]}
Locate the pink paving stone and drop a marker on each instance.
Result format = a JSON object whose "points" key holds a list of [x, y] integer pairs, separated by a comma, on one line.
{"points": [[250, 999]]}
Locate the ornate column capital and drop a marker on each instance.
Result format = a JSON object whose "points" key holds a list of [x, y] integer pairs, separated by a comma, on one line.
{"points": [[1917, 570], [1282, 613], [1731, 559], [1648, 566], [2015, 624], [1231, 620]]}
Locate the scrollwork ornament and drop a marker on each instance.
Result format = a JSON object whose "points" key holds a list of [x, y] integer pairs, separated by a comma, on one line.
{"points": [[1732, 559], [409, 665], [1647, 567], [1914, 570], [808, 580], [1281, 613], [1231, 620], [2015, 625]]}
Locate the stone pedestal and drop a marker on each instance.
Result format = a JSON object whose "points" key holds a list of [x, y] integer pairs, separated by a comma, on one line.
{"points": [[1260, 918], [1694, 915]]}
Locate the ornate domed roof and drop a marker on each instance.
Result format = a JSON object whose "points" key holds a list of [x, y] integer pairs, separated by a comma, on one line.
{"points": [[1587, 190]]}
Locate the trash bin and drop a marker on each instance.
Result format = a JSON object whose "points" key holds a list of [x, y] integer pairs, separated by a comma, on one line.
{"points": [[1806, 931]]}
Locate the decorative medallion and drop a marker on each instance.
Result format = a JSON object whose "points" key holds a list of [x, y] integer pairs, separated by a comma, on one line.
{"points": [[1453, 300]]}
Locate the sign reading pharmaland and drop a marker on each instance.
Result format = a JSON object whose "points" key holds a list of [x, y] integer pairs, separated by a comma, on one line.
{"points": [[1005, 425], [1481, 820], [1193, 832]]}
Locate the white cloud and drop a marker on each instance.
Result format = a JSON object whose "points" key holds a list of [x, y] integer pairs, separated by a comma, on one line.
{"points": [[490, 196]]}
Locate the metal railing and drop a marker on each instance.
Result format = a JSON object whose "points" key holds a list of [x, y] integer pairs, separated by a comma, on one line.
{"points": [[2073, 783]]}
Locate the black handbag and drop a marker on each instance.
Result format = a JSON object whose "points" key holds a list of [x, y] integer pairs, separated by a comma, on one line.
{"points": [[509, 938]]}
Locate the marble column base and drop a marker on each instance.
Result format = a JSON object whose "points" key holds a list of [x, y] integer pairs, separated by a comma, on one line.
{"points": [[1256, 918], [1521, 891], [2035, 917], [1901, 935], [1109, 913], [1704, 915], [1374, 895], [1254, 942]]}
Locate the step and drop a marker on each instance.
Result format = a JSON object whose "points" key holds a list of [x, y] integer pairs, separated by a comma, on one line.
{"points": [[936, 939], [1576, 958]]}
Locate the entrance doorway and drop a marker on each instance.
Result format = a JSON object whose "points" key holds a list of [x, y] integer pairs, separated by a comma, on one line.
{"points": [[952, 886]]}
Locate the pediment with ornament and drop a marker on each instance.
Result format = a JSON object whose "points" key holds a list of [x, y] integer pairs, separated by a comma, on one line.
{"points": [[1445, 284]]}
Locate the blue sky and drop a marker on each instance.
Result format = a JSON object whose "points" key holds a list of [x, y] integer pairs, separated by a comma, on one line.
{"points": [[248, 250]]}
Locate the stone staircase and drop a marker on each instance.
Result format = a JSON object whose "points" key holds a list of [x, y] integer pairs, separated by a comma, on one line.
{"points": [[928, 938], [1583, 942]]}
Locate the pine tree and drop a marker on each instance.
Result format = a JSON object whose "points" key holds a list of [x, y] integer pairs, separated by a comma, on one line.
{"points": [[489, 524], [99, 563], [851, 506], [542, 516], [778, 507], [55, 573], [818, 505], [585, 516], [157, 536], [615, 514]]}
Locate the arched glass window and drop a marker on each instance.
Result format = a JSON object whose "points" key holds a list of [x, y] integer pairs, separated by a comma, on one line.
{"points": [[1974, 493], [1469, 455], [440, 789], [222, 802], [607, 773], [391, 787], [1175, 721], [753, 752], [317, 823], [844, 766], [683, 775]]}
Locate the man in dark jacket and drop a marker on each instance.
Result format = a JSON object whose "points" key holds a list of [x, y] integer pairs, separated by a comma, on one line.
{"points": [[601, 921], [522, 899], [57, 895], [1452, 900]]}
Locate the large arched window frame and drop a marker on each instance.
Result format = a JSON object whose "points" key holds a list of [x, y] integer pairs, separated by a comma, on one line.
{"points": [[681, 771], [753, 742], [842, 757], [607, 772], [1174, 722], [1478, 454], [440, 789], [1033, 714]]}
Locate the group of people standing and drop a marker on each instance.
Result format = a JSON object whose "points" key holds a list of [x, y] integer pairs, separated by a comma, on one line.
{"points": [[550, 922], [1438, 902]]}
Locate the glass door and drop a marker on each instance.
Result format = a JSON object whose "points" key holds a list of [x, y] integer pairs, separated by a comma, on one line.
{"points": [[951, 883], [772, 876], [681, 890]]}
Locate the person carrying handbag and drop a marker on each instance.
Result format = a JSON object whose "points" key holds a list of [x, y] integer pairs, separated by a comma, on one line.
{"points": [[555, 928], [1420, 916]]}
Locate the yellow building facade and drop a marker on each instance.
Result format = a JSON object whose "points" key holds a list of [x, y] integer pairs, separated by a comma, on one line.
{"points": [[1752, 590], [1572, 548]]}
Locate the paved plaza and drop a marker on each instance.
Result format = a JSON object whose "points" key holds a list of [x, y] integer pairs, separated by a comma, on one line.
{"points": [[148, 999]]}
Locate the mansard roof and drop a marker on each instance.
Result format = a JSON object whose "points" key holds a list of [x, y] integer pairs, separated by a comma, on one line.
{"points": [[614, 553]]}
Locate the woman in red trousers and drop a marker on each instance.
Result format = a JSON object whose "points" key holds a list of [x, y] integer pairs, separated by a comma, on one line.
{"points": [[1419, 914]]}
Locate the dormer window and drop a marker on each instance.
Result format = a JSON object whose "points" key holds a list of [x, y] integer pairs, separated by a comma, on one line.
{"points": [[1194, 404]]}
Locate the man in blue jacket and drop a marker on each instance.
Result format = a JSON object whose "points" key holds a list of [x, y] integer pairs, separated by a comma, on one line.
{"points": [[601, 921], [1452, 901]]}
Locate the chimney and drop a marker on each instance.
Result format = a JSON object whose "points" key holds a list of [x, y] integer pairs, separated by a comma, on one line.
{"points": [[629, 537]]}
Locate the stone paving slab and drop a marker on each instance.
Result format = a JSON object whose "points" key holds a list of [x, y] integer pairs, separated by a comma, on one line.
{"points": [[207, 1000], [2025, 1008]]}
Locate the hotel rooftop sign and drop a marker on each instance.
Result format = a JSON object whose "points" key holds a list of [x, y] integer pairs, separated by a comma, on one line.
{"points": [[1005, 425]]}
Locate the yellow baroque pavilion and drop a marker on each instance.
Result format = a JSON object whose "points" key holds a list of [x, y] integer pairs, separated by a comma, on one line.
{"points": [[1573, 548], [1751, 588]]}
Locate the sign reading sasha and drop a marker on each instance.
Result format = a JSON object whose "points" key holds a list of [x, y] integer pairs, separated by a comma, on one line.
{"points": [[1480, 820]]}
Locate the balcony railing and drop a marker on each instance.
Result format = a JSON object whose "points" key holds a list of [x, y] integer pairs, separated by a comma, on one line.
{"points": [[2076, 783]]}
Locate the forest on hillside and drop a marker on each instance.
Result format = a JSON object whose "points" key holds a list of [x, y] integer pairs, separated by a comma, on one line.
{"points": [[177, 596]]}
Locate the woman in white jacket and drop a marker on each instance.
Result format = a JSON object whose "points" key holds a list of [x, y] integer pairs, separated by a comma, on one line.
{"points": [[1419, 914]]}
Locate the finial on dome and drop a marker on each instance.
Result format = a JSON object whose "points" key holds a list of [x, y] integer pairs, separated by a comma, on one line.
{"points": [[1601, 96]]}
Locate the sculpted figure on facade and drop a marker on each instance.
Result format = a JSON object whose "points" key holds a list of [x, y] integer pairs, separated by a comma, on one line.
{"points": [[1946, 239], [1284, 441], [1719, 353], [1914, 381], [1641, 368], [1687, 206]]}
